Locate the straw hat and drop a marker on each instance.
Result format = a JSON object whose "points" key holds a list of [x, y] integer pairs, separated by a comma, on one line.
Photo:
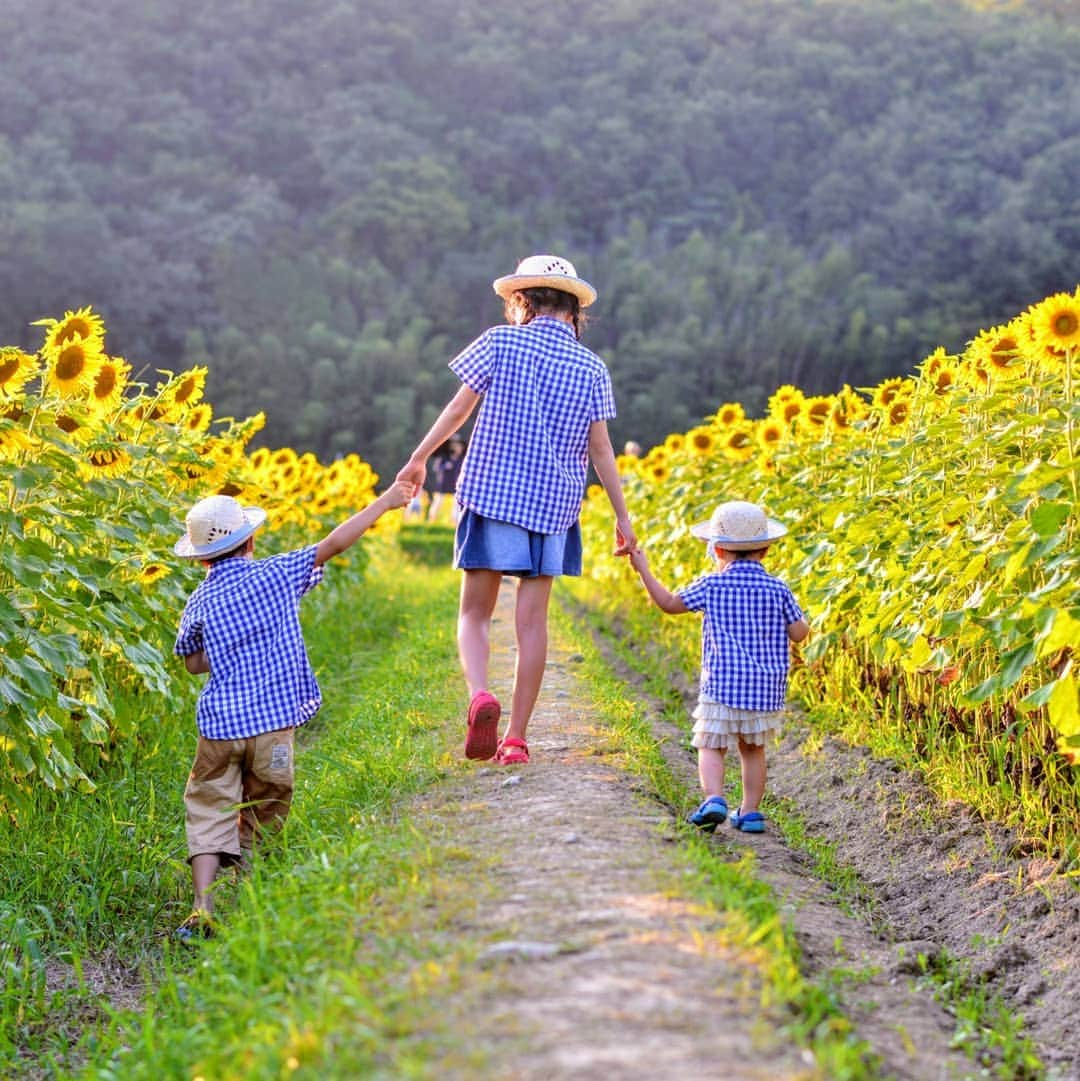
{"points": [[217, 524], [545, 272], [739, 527]]}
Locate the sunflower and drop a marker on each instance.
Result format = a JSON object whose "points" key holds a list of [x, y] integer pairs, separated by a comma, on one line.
{"points": [[737, 445], [700, 441], [110, 382], [889, 390], [933, 362], [781, 396], [16, 370], [101, 460], [81, 326], [656, 471], [260, 458], [816, 411], [770, 433], [197, 419], [672, 445], [1055, 323], [72, 369], [944, 379], [151, 573], [187, 388], [898, 411], [997, 353], [728, 414]]}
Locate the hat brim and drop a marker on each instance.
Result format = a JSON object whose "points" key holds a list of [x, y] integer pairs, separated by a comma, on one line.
{"points": [[514, 283], [773, 531], [253, 518]]}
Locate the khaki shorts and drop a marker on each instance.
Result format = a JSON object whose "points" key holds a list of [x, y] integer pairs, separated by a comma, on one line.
{"points": [[237, 789]]}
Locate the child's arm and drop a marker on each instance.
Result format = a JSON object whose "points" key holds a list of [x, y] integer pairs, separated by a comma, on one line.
{"points": [[352, 529], [453, 416], [603, 460], [662, 597], [798, 630], [196, 663]]}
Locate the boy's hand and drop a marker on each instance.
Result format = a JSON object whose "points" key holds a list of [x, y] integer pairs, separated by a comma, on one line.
{"points": [[414, 474], [399, 494], [638, 559]]}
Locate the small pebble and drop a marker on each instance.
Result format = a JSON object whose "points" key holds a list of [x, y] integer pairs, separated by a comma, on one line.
{"points": [[510, 782]]}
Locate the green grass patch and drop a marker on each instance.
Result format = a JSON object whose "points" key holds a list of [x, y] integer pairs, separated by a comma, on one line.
{"points": [[333, 943], [427, 542]]}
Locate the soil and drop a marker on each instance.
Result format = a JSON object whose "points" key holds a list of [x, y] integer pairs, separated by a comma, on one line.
{"points": [[591, 965]]}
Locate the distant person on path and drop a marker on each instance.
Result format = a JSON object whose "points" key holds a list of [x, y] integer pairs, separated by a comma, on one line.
{"points": [[750, 617], [241, 625], [544, 402], [446, 467]]}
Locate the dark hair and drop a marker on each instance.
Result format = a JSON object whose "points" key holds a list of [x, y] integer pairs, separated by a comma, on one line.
{"points": [[745, 553], [238, 550], [524, 305]]}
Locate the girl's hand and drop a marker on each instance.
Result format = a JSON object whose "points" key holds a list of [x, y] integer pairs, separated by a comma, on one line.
{"points": [[413, 473], [638, 560], [625, 540]]}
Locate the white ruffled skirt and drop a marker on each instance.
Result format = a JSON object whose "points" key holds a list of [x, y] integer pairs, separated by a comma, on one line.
{"points": [[718, 727]]}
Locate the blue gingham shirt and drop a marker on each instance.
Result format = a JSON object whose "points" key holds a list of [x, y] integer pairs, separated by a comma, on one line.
{"points": [[528, 457], [744, 642], [246, 616]]}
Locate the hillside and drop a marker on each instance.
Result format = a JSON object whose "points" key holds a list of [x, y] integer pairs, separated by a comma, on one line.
{"points": [[314, 202]]}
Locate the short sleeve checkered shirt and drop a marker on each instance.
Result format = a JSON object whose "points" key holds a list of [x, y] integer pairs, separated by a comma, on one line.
{"points": [[246, 615], [744, 643], [528, 457]]}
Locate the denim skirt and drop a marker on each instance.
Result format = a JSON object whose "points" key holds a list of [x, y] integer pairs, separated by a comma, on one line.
{"points": [[487, 544]]}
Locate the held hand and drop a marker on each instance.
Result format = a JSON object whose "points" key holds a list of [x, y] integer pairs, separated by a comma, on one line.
{"points": [[399, 494], [413, 473], [625, 540], [638, 560]]}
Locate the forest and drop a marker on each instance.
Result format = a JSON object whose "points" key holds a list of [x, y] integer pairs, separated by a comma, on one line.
{"points": [[312, 200]]}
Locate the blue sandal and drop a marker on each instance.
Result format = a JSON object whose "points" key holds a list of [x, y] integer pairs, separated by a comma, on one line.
{"points": [[751, 822], [710, 814]]}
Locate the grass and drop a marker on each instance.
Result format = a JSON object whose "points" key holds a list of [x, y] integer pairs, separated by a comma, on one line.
{"points": [[330, 945]]}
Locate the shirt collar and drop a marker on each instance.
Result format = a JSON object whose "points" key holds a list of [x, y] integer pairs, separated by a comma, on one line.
{"points": [[551, 321]]}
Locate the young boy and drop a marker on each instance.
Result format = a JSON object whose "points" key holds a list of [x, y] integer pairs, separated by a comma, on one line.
{"points": [[750, 617], [241, 625]]}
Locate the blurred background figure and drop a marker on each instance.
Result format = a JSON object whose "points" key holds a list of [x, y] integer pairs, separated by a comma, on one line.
{"points": [[632, 449], [445, 469]]}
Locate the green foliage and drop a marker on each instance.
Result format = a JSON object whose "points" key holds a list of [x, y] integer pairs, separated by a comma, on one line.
{"points": [[937, 558], [427, 543], [315, 200]]}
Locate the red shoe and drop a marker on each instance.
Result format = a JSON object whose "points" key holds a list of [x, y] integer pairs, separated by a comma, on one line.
{"points": [[482, 738], [512, 752]]}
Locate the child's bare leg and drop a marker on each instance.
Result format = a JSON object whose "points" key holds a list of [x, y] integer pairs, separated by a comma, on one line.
{"points": [[710, 764], [752, 762], [530, 626], [204, 869], [479, 592]]}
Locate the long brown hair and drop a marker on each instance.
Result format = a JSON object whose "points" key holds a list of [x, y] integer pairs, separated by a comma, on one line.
{"points": [[524, 305]]}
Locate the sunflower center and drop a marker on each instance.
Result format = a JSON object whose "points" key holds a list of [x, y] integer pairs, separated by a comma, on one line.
{"points": [[1066, 324], [75, 328], [7, 369], [105, 382], [184, 391], [67, 424], [1002, 354], [105, 457], [70, 363]]}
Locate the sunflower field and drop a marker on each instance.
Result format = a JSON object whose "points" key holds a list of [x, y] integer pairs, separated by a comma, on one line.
{"points": [[933, 542], [97, 470]]}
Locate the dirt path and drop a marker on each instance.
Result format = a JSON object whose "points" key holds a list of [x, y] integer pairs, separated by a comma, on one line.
{"points": [[589, 963]]}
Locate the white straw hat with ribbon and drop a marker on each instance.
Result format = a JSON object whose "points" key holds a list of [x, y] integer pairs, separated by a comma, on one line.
{"points": [[546, 272], [217, 524], [739, 527]]}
